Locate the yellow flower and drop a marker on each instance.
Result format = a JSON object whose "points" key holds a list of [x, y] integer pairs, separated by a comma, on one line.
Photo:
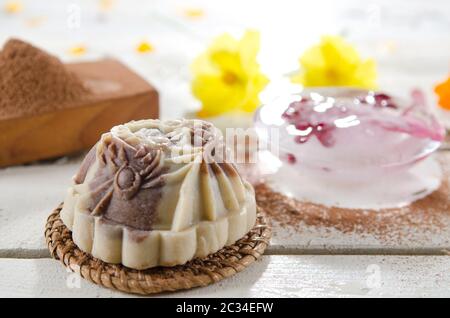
{"points": [[35, 21], [106, 5], [144, 47], [443, 92], [78, 50], [227, 76], [13, 6], [334, 62], [193, 13]]}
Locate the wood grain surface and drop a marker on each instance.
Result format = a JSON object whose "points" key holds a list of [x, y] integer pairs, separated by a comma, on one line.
{"points": [[271, 276], [120, 96], [407, 39]]}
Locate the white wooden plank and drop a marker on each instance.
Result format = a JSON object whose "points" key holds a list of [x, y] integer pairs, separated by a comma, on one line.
{"points": [[29, 193], [273, 276], [404, 239]]}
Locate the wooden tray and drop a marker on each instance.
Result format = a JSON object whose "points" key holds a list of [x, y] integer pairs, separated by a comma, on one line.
{"points": [[120, 95]]}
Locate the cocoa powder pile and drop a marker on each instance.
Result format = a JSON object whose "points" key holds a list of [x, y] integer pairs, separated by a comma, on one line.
{"points": [[34, 82]]}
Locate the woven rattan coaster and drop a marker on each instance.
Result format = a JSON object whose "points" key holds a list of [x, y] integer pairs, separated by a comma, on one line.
{"points": [[198, 272]]}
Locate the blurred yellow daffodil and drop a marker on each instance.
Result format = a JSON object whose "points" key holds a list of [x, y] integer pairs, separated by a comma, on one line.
{"points": [[193, 13], [106, 5], [335, 62], [144, 47], [77, 50], [35, 21], [13, 6], [443, 92], [227, 76]]}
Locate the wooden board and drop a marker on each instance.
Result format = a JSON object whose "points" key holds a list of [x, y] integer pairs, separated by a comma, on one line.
{"points": [[25, 196], [30, 193], [120, 96], [446, 144], [272, 276], [406, 57]]}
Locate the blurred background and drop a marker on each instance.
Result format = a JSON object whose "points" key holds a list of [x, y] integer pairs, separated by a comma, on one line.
{"points": [[409, 40]]}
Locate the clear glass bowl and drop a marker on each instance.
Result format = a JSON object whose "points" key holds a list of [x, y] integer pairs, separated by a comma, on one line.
{"points": [[348, 133]]}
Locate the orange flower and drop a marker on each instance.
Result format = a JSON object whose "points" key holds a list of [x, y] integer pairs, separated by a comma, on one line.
{"points": [[443, 91]]}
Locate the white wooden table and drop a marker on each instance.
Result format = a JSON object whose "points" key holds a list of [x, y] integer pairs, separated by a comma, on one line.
{"points": [[409, 39]]}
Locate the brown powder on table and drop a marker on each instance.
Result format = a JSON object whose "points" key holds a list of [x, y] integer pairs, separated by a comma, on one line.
{"points": [[430, 214], [33, 82], [447, 139]]}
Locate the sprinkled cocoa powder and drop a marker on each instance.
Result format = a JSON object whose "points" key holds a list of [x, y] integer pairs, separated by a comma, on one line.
{"points": [[33, 82], [447, 139], [430, 214]]}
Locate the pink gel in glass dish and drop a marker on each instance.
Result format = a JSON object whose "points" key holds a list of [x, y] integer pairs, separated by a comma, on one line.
{"points": [[349, 132]]}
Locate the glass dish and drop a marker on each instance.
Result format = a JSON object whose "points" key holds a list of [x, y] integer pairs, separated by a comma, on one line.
{"points": [[349, 134]]}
